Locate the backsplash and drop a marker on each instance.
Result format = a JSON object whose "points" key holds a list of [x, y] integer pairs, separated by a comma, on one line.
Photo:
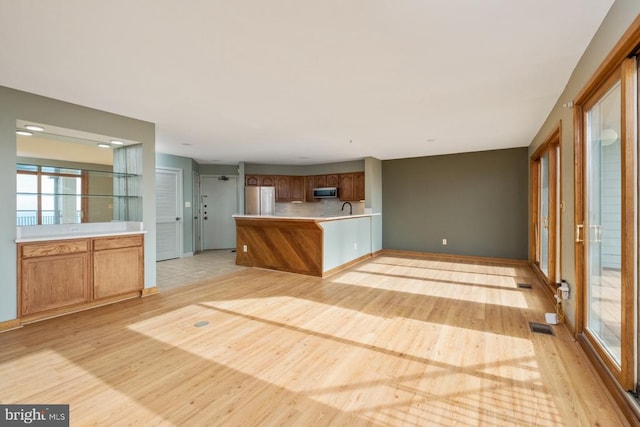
{"points": [[325, 207]]}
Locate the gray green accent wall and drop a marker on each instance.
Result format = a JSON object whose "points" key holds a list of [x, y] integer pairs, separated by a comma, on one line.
{"points": [[477, 201], [16, 105], [619, 18]]}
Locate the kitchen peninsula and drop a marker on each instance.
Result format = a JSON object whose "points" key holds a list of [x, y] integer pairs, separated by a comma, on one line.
{"points": [[316, 246]]}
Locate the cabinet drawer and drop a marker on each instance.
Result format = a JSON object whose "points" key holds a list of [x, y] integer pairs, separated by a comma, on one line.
{"points": [[53, 248], [105, 243]]}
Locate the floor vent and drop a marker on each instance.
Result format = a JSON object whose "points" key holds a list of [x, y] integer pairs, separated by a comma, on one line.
{"points": [[540, 328], [201, 324], [524, 285]]}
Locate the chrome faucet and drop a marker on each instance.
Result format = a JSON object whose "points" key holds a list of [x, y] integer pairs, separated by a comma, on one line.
{"points": [[350, 207]]}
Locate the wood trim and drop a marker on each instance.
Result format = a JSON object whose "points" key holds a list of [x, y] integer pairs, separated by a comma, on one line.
{"points": [[625, 402], [10, 325], [451, 257], [578, 215], [551, 145], [80, 307], [628, 139], [345, 265], [627, 43], [147, 292]]}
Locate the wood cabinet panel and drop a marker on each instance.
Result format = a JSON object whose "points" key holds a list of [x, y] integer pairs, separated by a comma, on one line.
{"points": [[332, 180], [39, 249], [116, 242], [308, 189], [282, 188], [52, 282], [320, 181], [267, 180], [358, 186], [251, 180], [297, 188], [345, 189], [117, 271]]}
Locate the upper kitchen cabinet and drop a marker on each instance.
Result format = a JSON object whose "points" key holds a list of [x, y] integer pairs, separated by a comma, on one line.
{"points": [[309, 186], [345, 188], [267, 180], [282, 188], [358, 185], [251, 180], [333, 180], [297, 188], [351, 186]]}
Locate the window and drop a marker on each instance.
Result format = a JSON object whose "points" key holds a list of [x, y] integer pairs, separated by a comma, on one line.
{"points": [[47, 195]]}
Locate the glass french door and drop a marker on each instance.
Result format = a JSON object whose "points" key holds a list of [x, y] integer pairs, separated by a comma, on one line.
{"points": [[545, 164], [606, 222]]}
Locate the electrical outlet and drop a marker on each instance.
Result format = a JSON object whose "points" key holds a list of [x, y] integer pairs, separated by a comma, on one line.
{"points": [[444, 242], [244, 248]]}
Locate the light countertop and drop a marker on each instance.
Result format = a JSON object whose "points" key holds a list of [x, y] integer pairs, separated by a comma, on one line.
{"points": [[41, 233]]}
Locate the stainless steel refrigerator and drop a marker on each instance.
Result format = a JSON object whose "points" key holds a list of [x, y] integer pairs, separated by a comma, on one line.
{"points": [[260, 200]]}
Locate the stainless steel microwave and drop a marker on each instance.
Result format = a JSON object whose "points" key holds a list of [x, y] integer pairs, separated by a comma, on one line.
{"points": [[325, 193]]}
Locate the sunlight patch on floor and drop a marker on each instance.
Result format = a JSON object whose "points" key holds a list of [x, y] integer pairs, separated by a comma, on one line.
{"points": [[509, 296]]}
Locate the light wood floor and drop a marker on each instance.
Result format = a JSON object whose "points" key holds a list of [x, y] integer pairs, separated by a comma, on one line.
{"points": [[392, 341]]}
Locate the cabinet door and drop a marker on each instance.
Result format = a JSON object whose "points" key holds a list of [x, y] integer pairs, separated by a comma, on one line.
{"points": [[51, 282], [333, 180], [251, 180], [309, 186], [117, 271], [345, 190], [282, 188], [296, 187], [358, 186], [320, 181], [267, 180]]}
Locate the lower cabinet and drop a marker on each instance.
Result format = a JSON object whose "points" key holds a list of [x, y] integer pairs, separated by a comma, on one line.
{"points": [[117, 266], [55, 277]]}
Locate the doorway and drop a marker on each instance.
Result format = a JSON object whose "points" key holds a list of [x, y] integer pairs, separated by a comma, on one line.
{"points": [[544, 251], [168, 213], [606, 217], [219, 204]]}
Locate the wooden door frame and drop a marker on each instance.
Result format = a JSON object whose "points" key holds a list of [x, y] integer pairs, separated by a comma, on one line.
{"points": [[552, 145], [625, 72]]}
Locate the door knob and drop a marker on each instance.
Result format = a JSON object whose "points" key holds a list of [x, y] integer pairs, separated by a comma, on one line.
{"points": [[177, 218]]}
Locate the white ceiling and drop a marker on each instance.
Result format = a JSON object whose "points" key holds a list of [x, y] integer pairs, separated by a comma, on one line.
{"points": [[301, 82]]}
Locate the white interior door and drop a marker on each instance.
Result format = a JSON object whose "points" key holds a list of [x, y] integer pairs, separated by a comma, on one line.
{"points": [[168, 213], [219, 203]]}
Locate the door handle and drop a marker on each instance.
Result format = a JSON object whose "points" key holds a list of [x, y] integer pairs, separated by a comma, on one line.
{"points": [[177, 218], [579, 233]]}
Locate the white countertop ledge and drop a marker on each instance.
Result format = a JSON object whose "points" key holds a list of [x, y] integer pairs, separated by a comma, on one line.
{"points": [[307, 218], [42, 233]]}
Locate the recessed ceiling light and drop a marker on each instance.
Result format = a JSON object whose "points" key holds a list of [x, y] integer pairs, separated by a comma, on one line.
{"points": [[23, 133], [103, 145], [34, 128], [116, 142]]}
